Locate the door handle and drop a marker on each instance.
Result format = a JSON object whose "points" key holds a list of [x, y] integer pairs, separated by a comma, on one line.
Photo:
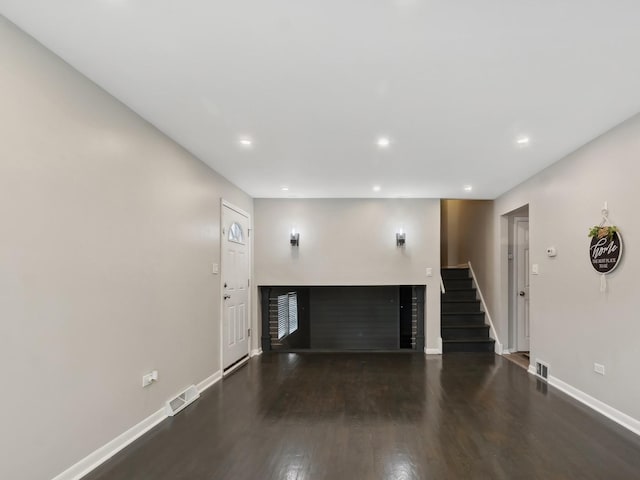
{"points": [[227, 297], [521, 293]]}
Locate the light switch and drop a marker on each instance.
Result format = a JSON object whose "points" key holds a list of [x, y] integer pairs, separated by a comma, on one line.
{"points": [[429, 272], [534, 269], [215, 269]]}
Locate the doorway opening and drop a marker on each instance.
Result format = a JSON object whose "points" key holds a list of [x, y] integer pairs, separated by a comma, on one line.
{"points": [[408, 319], [518, 273]]}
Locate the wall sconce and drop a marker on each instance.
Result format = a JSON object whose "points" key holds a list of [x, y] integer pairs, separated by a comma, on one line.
{"points": [[294, 238], [400, 239]]}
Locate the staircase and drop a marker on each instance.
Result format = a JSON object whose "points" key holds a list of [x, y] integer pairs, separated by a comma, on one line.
{"points": [[462, 320]]}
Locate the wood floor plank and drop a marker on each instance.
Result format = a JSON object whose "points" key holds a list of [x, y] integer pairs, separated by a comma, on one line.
{"points": [[380, 416]]}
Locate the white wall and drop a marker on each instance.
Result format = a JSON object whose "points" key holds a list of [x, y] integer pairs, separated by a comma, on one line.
{"points": [[351, 242], [107, 235], [573, 325]]}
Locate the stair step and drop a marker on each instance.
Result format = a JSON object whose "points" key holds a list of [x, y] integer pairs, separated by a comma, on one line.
{"points": [[460, 306], [457, 283], [457, 332], [462, 294], [449, 273], [462, 318], [468, 345]]}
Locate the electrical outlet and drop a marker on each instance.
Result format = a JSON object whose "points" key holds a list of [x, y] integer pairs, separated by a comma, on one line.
{"points": [[598, 368], [149, 378]]}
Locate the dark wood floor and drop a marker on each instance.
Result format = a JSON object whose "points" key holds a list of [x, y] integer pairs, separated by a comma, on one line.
{"points": [[380, 416]]}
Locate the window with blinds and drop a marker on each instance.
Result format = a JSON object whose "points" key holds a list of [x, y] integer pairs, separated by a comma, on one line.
{"points": [[287, 314], [293, 312]]}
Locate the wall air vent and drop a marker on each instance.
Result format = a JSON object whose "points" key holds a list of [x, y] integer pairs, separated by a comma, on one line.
{"points": [[542, 369], [179, 402]]}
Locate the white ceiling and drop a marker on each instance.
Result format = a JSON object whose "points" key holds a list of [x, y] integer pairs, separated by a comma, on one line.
{"points": [[453, 84]]}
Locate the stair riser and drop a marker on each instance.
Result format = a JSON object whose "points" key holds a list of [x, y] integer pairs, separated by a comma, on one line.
{"points": [[454, 273], [456, 333], [464, 321], [460, 307], [467, 347], [457, 283], [457, 319], [459, 295]]}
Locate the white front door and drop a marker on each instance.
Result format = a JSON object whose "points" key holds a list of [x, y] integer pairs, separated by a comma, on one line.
{"points": [[235, 285], [522, 284]]}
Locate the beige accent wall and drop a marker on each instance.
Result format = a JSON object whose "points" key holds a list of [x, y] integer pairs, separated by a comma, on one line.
{"points": [[449, 235], [351, 242], [467, 232], [108, 232], [573, 324]]}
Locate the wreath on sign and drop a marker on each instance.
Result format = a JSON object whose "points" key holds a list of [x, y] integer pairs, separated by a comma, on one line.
{"points": [[605, 249], [601, 231]]}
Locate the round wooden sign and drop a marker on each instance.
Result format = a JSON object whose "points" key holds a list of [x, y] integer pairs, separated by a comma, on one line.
{"points": [[605, 253]]}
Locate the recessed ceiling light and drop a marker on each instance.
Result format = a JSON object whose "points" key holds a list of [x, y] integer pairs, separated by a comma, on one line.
{"points": [[246, 142], [376, 188], [523, 141], [383, 142], [285, 189], [468, 188]]}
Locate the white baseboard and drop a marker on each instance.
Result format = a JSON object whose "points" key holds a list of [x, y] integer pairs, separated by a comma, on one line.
{"points": [[608, 411], [104, 453], [434, 351], [209, 381], [255, 352]]}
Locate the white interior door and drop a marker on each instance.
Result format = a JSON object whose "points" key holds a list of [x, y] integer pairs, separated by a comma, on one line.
{"points": [[522, 284], [235, 285]]}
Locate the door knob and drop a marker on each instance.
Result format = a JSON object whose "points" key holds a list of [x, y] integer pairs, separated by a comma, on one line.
{"points": [[521, 293], [227, 297]]}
